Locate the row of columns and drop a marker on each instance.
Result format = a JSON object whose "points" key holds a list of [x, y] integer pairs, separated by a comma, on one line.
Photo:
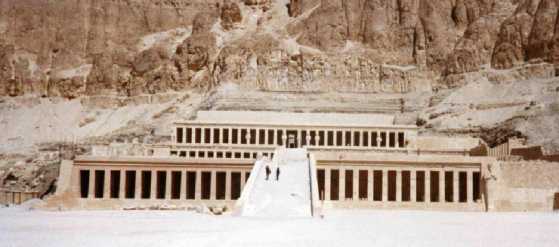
{"points": [[168, 183], [320, 137], [399, 189]]}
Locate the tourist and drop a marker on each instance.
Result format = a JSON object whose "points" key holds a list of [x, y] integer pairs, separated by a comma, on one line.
{"points": [[277, 173], [268, 171]]}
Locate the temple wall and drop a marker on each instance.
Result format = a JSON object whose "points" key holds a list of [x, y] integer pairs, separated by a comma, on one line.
{"points": [[522, 186]]}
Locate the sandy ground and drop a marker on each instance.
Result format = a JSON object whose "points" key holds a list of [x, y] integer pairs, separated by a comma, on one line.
{"points": [[19, 227]]}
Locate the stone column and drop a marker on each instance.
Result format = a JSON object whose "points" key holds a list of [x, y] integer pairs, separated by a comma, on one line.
{"points": [[243, 178], [399, 185], [384, 185], [184, 135], [327, 184], [228, 185], [316, 139], [413, 185], [239, 136], [220, 135], [455, 186], [168, 184], [470, 185], [194, 134], [138, 186], [91, 193], [213, 185], [379, 140], [107, 185], [230, 135], [361, 139], [183, 187], [441, 186], [122, 185], [153, 185], [356, 184], [370, 184], [198, 189], [335, 137]]}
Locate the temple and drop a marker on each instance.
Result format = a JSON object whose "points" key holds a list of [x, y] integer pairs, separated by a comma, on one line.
{"points": [[215, 159]]}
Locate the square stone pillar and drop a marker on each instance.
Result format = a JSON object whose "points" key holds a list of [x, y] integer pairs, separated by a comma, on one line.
{"points": [[153, 185], [168, 184], [399, 185], [413, 185], [91, 193], [198, 189], [138, 186], [384, 185], [122, 185], [213, 185], [442, 193], [107, 184], [455, 186], [470, 185], [370, 185], [243, 178], [184, 135], [183, 183], [228, 185], [356, 184], [327, 184], [212, 136], [194, 134]]}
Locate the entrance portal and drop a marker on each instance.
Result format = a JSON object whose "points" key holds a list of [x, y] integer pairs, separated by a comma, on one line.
{"points": [[556, 202], [292, 139]]}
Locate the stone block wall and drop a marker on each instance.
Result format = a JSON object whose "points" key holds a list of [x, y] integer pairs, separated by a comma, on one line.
{"points": [[522, 186]]}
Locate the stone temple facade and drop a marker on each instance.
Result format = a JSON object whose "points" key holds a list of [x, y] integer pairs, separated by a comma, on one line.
{"points": [[356, 161]]}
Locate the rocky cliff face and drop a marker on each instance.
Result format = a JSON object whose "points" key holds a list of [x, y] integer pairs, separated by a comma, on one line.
{"points": [[73, 48]]}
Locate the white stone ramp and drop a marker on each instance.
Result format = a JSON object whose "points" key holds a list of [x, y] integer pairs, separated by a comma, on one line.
{"points": [[289, 196]]}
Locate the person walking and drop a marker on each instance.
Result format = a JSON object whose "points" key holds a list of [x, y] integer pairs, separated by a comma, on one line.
{"points": [[277, 173], [268, 171]]}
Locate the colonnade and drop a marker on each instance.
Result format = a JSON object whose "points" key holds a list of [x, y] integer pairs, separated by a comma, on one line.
{"points": [[161, 184], [314, 137], [399, 184]]}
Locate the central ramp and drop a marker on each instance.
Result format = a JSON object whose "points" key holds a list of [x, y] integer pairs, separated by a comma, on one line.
{"points": [[289, 196]]}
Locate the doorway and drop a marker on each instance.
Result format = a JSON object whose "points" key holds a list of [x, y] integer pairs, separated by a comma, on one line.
{"points": [[292, 139], [556, 202]]}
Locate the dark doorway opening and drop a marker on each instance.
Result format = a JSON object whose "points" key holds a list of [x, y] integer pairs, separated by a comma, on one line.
{"points": [[206, 185], [220, 185], [130, 184], [99, 183], [363, 184], [292, 139], [235, 185], [434, 186], [84, 183], [320, 177], [391, 186], [115, 184], [420, 186], [556, 202], [161, 184], [176, 184], [377, 182], [334, 185], [146, 184], [349, 184], [190, 185]]}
